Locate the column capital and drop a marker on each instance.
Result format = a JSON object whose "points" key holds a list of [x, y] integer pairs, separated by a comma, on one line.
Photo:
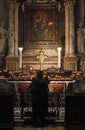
{"points": [[69, 3], [13, 4]]}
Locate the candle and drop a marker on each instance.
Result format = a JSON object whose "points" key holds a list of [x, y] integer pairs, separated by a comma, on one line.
{"points": [[20, 57], [59, 57]]}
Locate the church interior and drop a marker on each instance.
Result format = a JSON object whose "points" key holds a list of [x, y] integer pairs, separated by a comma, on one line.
{"points": [[47, 35]]}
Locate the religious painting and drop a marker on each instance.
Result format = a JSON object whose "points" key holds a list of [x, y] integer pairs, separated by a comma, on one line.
{"points": [[41, 24]]}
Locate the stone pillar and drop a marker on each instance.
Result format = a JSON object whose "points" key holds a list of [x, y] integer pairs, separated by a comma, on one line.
{"points": [[69, 29], [16, 30], [11, 29], [66, 29], [81, 11]]}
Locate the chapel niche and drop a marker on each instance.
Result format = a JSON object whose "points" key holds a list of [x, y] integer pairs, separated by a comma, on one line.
{"points": [[42, 29]]}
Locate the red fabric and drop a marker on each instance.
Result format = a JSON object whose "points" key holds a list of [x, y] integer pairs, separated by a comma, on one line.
{"points": [[52, 86]]}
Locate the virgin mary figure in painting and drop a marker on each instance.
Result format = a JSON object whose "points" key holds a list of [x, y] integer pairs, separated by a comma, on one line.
{"points": [[41, 29]]}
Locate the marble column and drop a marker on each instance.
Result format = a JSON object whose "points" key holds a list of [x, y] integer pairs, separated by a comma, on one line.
{"points": [[69, 29], [81, 11], [66, 29], [16, 30], [11, 29]]}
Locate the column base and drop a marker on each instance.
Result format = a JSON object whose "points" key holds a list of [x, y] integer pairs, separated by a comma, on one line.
{"points": [[70, 63], [12, 62]]}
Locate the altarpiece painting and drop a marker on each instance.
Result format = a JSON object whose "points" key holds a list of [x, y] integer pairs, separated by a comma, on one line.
{"points": [[41, 24]]}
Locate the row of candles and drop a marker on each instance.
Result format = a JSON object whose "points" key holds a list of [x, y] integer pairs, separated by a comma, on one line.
{"points": [[20, 57]]}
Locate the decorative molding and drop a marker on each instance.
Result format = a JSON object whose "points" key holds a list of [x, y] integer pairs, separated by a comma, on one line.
{"points": [[33, 52]]}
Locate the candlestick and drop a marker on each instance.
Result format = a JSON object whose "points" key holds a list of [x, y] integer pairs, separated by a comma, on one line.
{"points": [[20, 56], [59, 57]]}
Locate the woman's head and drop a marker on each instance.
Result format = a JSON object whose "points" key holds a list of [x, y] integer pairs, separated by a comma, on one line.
{"points": [[40, 74]]}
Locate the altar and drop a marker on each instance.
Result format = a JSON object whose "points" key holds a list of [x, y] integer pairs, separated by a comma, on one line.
{"points": [[54, 86], [22, 98]]}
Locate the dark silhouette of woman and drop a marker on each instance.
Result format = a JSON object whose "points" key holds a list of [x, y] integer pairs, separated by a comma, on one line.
{"points": [[39, 91]]}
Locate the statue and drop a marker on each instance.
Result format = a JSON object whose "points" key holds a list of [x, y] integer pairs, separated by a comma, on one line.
{"points": [[3, 37], [81, 39], [41, 56]]}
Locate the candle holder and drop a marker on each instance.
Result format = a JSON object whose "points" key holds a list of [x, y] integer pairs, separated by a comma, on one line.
{"points": [[20, 57], [59, 57]]}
